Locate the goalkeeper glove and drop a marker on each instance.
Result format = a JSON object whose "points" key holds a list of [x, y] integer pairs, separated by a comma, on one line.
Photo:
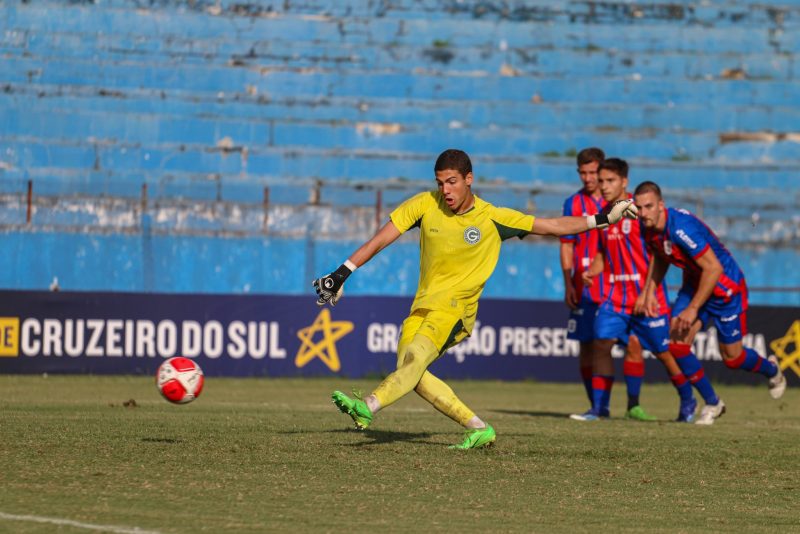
{"points": [[330, 287], [619, 209]]}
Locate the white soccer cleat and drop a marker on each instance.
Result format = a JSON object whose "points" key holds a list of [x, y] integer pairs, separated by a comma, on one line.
{"points": [[588, 416], [710, 412], [777, 384]]}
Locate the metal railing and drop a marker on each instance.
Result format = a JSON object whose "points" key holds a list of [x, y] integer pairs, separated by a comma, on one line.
{"points": [[745, 218]]}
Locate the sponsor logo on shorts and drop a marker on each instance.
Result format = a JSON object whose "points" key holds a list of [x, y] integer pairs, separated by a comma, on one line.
{"points": [[729, 319], [472, 235], [657, 323]]}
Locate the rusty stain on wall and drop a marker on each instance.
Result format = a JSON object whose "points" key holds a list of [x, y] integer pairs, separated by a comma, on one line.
{"points": [[377, 129], [758, 137]]}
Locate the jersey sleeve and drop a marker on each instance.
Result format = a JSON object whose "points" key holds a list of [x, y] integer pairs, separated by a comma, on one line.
{"points": [[409, 214], [568, 212], [512, 223], [690, 235]]}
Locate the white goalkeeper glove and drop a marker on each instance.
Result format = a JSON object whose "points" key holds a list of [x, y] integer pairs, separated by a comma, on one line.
{"points": [[619, 210], [331, 286]]}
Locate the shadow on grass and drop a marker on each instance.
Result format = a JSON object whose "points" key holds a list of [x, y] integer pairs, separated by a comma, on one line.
{"points": [[373, 437], [162, 440], [377, 437], [533, 413]]}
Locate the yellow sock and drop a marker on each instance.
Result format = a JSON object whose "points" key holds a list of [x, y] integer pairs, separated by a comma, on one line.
{"points": [[413, 360], [435, 391]]}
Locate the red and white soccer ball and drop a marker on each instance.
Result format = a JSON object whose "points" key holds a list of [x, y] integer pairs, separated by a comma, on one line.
{"points": [[180, 380]]}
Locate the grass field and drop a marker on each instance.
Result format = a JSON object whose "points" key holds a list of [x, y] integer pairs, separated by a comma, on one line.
{"points": [[262, 455]]}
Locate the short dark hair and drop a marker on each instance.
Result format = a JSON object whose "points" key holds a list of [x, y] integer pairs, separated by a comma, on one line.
{"points": [[615, 165], [590, 155], [648, 187], [454, 159]]}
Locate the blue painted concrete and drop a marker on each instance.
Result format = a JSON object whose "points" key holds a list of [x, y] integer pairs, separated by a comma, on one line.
{"points": [[161, 263]]}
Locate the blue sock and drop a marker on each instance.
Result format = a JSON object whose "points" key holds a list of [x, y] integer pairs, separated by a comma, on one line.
{"points": [[634, 376], [693, 370], [683, 386], [749, 360], [601, 394]]}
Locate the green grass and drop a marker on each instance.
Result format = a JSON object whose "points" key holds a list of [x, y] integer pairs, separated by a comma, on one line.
{"points": [[260, 455]]}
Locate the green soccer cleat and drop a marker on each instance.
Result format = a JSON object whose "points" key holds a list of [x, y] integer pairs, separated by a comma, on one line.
{"points": [[355, 408], [476, 438], [637, 413]]}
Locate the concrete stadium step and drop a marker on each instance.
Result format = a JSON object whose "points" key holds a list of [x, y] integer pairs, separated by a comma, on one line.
{"points": [[754, 222], [374, 112], [226, 136], [135, 164], [324, 55], [282, 84], [657, 36], [718, 13]]}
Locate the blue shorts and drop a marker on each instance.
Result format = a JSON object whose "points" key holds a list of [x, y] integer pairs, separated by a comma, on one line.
{"points": [[653, 332], [580, 326], [728, 317]]}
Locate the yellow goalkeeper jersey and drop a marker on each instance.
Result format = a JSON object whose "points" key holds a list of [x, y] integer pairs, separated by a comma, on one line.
{"points": [[458, 253]]}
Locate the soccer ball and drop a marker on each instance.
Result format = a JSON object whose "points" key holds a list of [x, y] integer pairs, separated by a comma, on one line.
{"points": [[180, 380]]}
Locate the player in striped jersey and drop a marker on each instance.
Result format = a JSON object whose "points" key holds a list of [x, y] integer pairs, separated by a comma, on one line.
{"points": [[460, 238], [577, 252], [713, 289], [622, 254]]}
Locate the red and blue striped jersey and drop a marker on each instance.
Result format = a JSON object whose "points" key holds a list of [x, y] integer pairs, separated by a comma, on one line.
{"points": [[585, 245], [626, 260], [685, 239]]}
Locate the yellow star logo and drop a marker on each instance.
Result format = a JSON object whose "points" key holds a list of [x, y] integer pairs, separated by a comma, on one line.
{"points": [[781, 348], [325, 349]]}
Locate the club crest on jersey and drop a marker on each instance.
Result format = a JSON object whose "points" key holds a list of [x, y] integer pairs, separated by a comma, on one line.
{"points": [[472, 235], [626, 226], [668, 248]]}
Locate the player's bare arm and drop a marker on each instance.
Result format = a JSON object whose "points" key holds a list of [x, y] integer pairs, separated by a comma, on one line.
{"points": [[647, 302], [567, 255], [711, 271], [559, 226], [329, 288], [384, 237], [594, 269]]}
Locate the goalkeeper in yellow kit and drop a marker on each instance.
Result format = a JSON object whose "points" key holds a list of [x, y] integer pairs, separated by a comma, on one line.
{"points": [[460, 237]]}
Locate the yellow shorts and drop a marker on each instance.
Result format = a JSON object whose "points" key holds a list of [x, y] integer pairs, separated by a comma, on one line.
{"points": [[443, 329]]}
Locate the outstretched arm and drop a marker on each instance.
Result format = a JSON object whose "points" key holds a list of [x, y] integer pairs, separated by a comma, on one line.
{"points": [[330, 287], [575, 225], [382, 239]]}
